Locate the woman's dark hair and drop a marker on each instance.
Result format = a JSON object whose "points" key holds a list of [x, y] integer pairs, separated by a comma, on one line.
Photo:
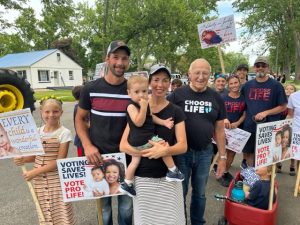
{"points": [[289, 129], [110, 162]]}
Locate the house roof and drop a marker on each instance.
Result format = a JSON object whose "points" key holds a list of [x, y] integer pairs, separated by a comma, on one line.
{"points": [[24, 59]]}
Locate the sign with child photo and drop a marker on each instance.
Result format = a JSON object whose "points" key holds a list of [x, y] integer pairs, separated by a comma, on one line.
{"points": [[218, 31], [273, 142], [19, 135], [81, 181]]}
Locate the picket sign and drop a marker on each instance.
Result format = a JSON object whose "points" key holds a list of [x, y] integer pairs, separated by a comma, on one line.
{"points": [[221, 59], [297, 183], [35, 200], [99, 209], [271, 194]]}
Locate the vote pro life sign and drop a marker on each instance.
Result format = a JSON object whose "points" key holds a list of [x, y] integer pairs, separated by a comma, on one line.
{"points": [[274, 143]]}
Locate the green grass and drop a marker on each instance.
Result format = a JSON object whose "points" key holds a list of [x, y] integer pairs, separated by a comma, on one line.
{"points": [[64, 95]]}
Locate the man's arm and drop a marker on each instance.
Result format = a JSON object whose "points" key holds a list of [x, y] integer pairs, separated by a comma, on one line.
{"points": [[269, 112], [92, 153], [220, 140]]}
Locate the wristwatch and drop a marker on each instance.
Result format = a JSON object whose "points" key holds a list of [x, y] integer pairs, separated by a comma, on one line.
{"points": [[224, 157]]}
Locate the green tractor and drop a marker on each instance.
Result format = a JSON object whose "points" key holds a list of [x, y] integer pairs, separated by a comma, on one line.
{"points": [[15, 92]]}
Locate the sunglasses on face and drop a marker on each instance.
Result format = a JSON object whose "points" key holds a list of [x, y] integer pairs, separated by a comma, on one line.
{"points": [[262, 65], [220, 75]]}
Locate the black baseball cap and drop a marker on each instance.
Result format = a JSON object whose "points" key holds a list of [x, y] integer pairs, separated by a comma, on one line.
{"points": [[157, 67], [242, 66], [115, 45]]}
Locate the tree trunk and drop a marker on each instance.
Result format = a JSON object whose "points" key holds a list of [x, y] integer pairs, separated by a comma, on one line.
{"points": [[297, 59]]}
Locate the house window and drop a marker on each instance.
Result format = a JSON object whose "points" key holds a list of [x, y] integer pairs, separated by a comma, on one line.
{"points": [[71, 77], [44, 76], [22, 73]]}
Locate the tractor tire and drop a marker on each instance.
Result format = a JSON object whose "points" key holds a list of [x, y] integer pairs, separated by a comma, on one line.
{"points": [[15, 92]]}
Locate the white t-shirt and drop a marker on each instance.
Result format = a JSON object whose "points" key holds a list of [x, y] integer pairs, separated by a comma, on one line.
{"points": [[294, 103], [100, 186]]}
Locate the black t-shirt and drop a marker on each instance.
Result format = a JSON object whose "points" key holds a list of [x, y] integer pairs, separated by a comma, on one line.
{"points": [[156, 168], [107, 105], [139, 136], [202, 110]]}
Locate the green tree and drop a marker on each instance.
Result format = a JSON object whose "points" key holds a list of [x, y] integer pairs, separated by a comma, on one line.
{"points": [[278, 23]]}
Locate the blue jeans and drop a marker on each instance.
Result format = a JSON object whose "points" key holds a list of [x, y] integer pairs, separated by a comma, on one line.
{"points": [[124, 210], [195, 164]]}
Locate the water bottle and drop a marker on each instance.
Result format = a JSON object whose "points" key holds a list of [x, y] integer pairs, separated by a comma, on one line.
{"points": [[237, 192]]}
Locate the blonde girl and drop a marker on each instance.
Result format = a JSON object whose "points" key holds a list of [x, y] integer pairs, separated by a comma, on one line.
{"points": [[55, 139]]}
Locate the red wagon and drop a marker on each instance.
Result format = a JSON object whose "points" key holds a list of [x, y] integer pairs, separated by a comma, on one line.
{"points": [[241, 214]]}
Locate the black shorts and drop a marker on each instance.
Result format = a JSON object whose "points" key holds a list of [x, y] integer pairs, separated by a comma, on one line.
{"points": [[250, 145]]}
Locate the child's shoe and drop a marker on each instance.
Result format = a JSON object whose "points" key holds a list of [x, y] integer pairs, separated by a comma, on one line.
{"points": [[175, 176], [128, 189]]}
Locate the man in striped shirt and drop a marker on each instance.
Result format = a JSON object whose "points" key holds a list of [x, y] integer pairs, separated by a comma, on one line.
{"points": [[106, 100]]}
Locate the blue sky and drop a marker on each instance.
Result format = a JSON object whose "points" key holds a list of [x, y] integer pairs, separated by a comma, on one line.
{"points": [[225, 9]]}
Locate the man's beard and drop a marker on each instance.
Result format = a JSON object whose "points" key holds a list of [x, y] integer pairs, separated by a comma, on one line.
{"points": [[115, 73], [260, 74]]}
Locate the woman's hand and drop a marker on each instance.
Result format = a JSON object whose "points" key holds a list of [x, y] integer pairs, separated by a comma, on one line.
{"points": [[227, 123], [29, 175], [157, 151], [19, 161]]}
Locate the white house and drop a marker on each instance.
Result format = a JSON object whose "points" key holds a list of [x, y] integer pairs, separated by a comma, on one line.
{"points": [[43, 69]]}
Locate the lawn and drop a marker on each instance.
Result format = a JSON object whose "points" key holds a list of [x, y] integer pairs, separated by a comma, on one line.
{"points": [[64, 95]]}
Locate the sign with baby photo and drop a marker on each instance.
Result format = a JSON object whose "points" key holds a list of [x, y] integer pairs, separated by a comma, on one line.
{"points": [[218, 31], [273, 142], [19, 135], [81, 181]]}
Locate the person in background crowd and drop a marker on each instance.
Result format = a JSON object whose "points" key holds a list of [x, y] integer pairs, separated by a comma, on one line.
{"points": [[289, 89], [235, 111], [220, 84], [76, 94], [294, 112], [176, 83], [265, 99], [105, 100], [242, 72], [205, 111]]}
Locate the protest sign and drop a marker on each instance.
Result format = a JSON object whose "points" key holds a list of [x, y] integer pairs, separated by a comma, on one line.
{"points": [[296, 145], [216, 32], [236, 139], [81, 181], [100, 70], [273, 142], [19, 135]]}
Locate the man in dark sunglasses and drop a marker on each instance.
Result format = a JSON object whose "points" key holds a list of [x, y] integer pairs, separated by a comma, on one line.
{"points": [[265, 99]]}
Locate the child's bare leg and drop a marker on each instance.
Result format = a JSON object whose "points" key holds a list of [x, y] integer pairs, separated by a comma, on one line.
{"points": [[169, 162], [135, 161], [174, 174]]}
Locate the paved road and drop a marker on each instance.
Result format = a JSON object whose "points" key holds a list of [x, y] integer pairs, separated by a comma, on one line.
{"points": [[17, 207]]}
